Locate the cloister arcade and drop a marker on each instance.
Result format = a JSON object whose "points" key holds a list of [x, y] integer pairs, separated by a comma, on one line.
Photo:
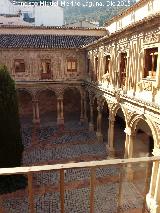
{"points": [[114, 125]]}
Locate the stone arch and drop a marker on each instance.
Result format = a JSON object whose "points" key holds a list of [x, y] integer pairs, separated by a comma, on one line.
{"points": [[114, 109], [87, 99], [95, 112], [25, 98], [135, 118], [47, 102], [119, 117], [72, 104], [105, 120], [39, 91]]}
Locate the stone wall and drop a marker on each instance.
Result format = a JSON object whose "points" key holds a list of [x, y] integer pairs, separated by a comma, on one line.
{"points": [[32, 59]]}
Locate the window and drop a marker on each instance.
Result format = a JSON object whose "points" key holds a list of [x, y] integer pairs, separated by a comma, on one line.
{"points": [[150, 6], [71, 65], [88, 65], [19, 65], [133, 16], [46, 69], [46, 66], [123, 65], [96, 64], [151, 56], [96, 68], [107, 61]]}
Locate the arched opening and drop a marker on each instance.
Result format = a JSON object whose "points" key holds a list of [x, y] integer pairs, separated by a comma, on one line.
{"points": [[105, 115], [47, 106], [88, 106], [25, 107], [72, 105], [119, 134], [144, 143], [95, 114]]}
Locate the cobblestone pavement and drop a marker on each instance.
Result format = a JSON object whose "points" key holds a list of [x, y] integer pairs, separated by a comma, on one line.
{"points": [[50, 178], [78, 200], [46, 154], [77, 197]]}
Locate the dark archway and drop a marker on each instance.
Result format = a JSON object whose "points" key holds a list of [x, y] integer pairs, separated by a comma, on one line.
{"points": [[72, 104], [47, 106], [105, 122], [95, 114], [119, 134], [88, 106], [144, 143], [25, 107]]}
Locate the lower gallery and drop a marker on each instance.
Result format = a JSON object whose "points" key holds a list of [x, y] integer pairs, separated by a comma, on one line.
{"points": [[87, 95]]}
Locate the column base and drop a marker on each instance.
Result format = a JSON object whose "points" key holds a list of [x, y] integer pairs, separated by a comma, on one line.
{"points": [[60, 121], [82, 120], [99, 137], [152, 206], [129, 173], [36, 121], [110, 151], [91, 127]]}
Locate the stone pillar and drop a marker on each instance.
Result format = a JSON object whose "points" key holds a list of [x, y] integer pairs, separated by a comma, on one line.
{"points": [[36, 119], [91, 123], [85, 110], [130, 138], [111, 150], [153, 196], [99, 124], [82, 109], [60, 114]]}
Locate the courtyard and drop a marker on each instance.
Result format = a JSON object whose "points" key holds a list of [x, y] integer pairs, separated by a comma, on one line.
{"points": [[48, 144]]}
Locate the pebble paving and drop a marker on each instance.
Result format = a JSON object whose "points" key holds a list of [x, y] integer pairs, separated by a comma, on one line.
{"points": [[77, 200]]}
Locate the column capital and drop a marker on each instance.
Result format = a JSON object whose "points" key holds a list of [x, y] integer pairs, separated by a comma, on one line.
{"points": [[60, 97], [99, 109], [128, 131], [35, 100], [156, 151]]}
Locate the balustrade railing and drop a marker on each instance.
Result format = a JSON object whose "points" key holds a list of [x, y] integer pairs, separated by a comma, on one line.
{"points": [[126, 168]]}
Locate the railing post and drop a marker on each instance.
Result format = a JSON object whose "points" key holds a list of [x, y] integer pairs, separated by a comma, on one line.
{"points": [[1, 205], [62, 189], [146, 186], [92, 184], [120, 189], [30, 193]]}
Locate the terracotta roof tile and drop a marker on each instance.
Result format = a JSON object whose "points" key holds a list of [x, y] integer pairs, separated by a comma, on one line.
{"points": [[44, 41]]}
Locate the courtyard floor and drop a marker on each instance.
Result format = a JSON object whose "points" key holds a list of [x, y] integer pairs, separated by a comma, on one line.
{"points": [[48, 145]]}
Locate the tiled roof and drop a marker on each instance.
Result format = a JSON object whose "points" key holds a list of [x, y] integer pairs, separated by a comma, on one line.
{"points": [[44, 41]]}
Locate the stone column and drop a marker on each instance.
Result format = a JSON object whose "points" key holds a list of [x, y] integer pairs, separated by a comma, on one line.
{"points": [[60, 116], [130, 137], [85, 110], [111, 150], [36, 118], [153, 196], [82, 109], [158, 69], [99, 124], [91, 123]]}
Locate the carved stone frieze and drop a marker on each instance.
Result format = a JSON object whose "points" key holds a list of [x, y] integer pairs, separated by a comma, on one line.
{"points": [[123, 47], [152, 38]]}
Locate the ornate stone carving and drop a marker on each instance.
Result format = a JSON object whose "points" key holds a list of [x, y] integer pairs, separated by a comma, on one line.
{"points": [[123, 47], [151, 38]]}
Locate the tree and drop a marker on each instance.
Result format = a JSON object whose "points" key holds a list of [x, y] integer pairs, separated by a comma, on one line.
{"points": [[10, 137]]}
